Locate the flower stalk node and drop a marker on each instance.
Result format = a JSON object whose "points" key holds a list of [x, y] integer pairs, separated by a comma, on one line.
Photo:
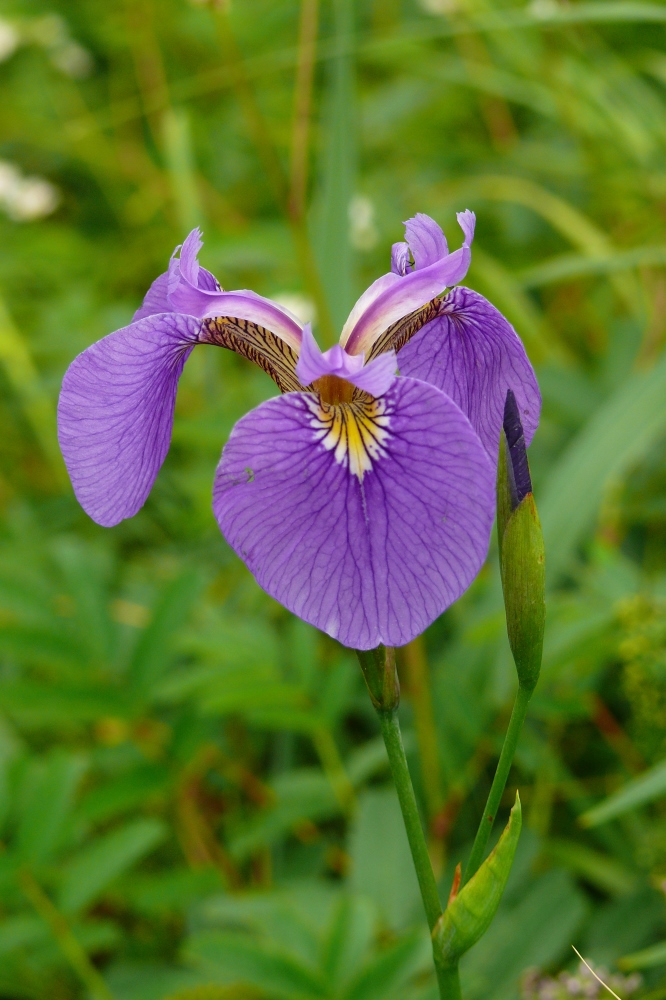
{"points": [[381, 677], [470, 912]]}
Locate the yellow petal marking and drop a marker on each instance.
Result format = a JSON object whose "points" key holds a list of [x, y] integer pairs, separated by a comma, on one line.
{"points": [[355, 432]]}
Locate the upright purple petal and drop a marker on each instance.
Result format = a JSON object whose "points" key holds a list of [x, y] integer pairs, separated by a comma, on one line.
{"points": [[313, 363], [400, 263], [472, 353], [467, 222], [115, 413], [365, 522], [393, 296], [189, 253], [426, 240]]}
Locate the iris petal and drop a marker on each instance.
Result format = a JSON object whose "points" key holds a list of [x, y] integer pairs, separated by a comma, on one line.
{"points": [[394, 296], [472, 353], [426, 240], [115, 413], [367, 524]]}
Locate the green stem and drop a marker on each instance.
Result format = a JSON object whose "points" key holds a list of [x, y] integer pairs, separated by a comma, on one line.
{"points": [[67, 942], [410, 814], [499, 781], [448, 981]]}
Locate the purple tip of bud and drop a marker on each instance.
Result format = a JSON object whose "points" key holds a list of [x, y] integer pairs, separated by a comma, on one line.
{"points": [[517, 467]]}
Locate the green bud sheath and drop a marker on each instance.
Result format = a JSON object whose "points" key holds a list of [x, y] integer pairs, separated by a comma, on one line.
{"points": [[523, 581], [469, 914]]}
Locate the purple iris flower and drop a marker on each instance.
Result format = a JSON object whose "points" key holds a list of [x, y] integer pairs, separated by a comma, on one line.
{"points": [[361, 500]]}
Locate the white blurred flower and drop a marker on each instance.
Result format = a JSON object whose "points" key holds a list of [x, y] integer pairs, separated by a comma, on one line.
{"points": [[542, 10], [362, 230], [51, 33], [72, 60], [439, 6], [25, 198], [301, 307], [9, 39]]}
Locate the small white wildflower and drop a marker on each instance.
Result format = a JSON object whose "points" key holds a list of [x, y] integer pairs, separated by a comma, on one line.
{"points": [[362, 230], [9, 39], [25, 198]]}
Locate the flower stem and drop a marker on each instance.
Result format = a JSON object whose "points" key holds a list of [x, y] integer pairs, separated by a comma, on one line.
{"points": [[448, 981], [410, 814], [418, 689], [499, 781], [67, 942]]}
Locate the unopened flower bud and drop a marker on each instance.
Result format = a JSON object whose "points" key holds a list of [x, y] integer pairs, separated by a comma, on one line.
{"points": [[521, 550]]}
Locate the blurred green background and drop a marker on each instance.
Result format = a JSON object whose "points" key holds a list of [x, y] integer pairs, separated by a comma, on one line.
{"points": [[194, 797]]}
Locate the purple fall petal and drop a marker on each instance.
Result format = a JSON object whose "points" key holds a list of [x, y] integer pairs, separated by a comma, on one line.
{"points": [[426, 240], [115, 413], [472, 353], [368, 545], [156, 299]]}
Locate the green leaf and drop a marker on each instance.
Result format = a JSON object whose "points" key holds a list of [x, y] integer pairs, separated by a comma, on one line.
{"points": [[648, 958], [387, 974], [348, 940], [469, 914], [620, 432], [377, 846], [151, 655], [601, 870], [639, 791], [105, 859], [48, 806], [237, 958]]}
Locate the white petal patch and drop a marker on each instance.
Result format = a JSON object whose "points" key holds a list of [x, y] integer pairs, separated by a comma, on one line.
{"points": [[355, 432]]}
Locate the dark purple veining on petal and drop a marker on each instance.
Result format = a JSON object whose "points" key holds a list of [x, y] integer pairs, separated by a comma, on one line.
{"points": [[517, 466], [115, 412], [473, 354], [368, 560]]}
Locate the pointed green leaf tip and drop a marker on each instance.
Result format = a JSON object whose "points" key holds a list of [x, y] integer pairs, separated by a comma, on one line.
{"points": [[468, 915], [522, 565]]}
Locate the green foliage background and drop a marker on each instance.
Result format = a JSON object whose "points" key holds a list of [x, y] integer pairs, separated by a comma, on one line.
{"points": [[194, 798]]}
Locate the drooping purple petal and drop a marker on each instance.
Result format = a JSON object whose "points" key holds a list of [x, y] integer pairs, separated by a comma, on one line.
{"points": [[156, 299], [426, 240], [313, 363], [393, 296], [115, 413], [472, 353], [244, 305], [367, 523]]}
